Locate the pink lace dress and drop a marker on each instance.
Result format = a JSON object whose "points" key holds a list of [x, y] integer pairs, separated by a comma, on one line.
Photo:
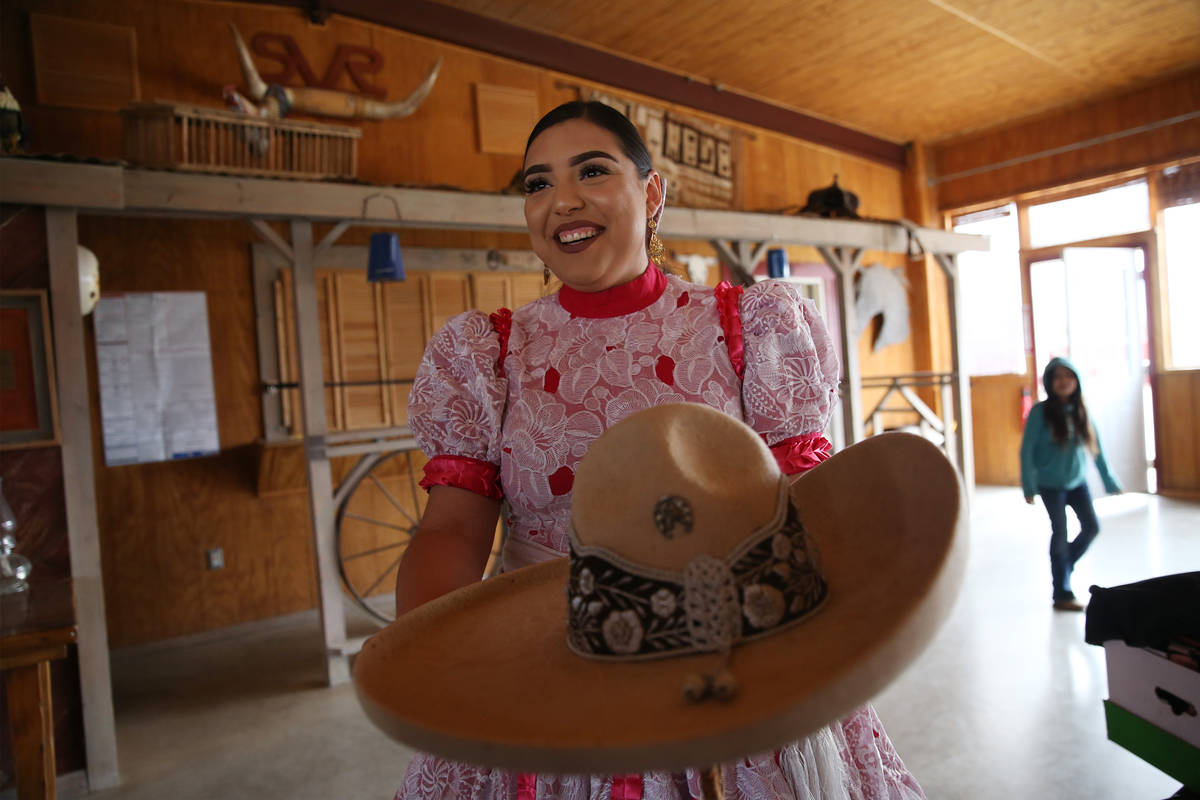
{"points": [[506, 406]]}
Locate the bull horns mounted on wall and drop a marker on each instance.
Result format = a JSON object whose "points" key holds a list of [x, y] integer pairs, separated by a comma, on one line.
{"points": [[278, 100]]}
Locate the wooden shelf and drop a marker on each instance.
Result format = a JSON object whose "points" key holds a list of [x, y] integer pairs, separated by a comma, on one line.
{"points": [[160, 192]]}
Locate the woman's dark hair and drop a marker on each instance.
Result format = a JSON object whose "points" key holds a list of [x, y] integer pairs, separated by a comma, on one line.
{"points": [[606, 117], [1069, 418]]}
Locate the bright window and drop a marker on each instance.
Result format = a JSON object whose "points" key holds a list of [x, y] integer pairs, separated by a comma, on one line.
{"points": [[993, 334], [1182, 240], [1121, 209]]}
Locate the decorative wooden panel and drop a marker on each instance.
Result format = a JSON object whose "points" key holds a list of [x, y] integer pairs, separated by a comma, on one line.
{"points": [[84, 64], [504, 116], [378, 332], [1178, 411]]}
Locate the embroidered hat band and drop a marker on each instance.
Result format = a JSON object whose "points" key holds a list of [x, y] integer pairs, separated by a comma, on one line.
{"points": [[625, 611]]}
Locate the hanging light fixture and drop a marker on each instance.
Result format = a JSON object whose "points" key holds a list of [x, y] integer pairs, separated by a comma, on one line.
{"points": [[383, 258]]}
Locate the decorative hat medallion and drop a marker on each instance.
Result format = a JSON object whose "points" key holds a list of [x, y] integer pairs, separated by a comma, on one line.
{"points": [[671, 512]]}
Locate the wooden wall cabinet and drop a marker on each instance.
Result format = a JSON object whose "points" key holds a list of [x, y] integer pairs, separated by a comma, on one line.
{"points": [[373, 336]]}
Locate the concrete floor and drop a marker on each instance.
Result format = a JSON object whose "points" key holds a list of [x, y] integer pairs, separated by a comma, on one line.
{"points": [[1005, 704]]}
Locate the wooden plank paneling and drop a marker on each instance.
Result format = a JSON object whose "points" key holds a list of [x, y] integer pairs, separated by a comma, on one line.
{"points": [[1098, 122], [405, 332], [84, 64], [156, 520], [525, 289], [1178, 410], [997, 427], [906, 70], [360, 355], [490, 292], [447, 294]]}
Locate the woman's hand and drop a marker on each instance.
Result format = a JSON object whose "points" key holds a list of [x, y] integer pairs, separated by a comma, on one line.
{"points": [[1029, 500], [450, 549]]}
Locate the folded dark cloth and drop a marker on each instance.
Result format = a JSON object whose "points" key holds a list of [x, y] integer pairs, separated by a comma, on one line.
{"points": [[1148, 613]]}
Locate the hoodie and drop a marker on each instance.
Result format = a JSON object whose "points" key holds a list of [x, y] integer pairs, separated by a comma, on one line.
{"points": [[1048, 464]]}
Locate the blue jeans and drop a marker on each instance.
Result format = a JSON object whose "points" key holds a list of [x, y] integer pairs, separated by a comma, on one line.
{"points": [[1063, 553]]}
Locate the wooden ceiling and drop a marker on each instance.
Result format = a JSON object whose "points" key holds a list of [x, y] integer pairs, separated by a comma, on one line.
{"points": [[900, 70]]}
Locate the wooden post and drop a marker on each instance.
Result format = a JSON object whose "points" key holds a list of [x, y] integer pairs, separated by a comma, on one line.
{"points": [[79, 482], [961, 381], [845, 262], [320, 480]]}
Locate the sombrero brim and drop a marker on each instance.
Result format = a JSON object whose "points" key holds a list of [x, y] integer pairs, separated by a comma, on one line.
{"points": [[483, 675]]}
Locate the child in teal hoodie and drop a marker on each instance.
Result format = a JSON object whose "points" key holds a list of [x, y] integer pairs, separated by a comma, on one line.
{"points": [[1055, 448]]}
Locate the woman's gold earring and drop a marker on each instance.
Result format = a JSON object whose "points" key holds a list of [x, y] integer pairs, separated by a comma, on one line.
{"points": [[545, 275], [655, 248]]}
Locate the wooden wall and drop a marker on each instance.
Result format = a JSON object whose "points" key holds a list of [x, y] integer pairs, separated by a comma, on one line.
{"points": [[1178, 408], [996, 413], [156, 520], [1148, 106]]}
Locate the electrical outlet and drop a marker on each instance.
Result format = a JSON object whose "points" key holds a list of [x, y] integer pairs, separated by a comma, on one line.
{"points": [[215, 557]]}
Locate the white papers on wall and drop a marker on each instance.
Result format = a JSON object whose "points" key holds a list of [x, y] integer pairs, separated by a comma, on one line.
{"points": [[156, 387]]}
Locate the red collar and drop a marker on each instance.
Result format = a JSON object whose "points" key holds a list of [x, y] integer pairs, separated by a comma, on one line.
{"points": [[617, 301]]}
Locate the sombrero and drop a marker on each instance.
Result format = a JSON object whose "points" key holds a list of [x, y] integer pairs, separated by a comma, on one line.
{"points": [[708, 610]]}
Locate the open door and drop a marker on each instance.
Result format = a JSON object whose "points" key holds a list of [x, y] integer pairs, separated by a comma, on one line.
{"points": [[1089, 305]]}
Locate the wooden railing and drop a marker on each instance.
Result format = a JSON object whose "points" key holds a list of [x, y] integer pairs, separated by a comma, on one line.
{"points": [[199, 139]]}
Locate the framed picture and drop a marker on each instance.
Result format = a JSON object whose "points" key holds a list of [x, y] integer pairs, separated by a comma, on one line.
{"points": [[28, 404]]}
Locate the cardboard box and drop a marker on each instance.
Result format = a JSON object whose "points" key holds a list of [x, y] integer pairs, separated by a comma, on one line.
{"points": [[1163, 693], [1153, 710]]}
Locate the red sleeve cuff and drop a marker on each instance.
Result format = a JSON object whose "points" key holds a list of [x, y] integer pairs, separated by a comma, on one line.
{"points": [[463, 472], [801, 453], [730, 313]]}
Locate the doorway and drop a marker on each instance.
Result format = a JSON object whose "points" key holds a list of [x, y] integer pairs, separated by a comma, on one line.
{"points": [[1089, 304]]}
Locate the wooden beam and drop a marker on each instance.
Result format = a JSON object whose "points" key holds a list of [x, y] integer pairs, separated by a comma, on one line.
{"points": [[490, 35], [153, 192], [83, 529], [734, 260], [217, 196], [41, 182], [331, 238], [268, 235], [703, 224]]}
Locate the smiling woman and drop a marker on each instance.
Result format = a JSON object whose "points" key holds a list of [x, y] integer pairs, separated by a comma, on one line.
{"points": [[507, 405], [589, 192]]}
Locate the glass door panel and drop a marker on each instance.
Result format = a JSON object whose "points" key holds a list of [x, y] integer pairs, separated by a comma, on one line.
{"points": [[1089, 306]]}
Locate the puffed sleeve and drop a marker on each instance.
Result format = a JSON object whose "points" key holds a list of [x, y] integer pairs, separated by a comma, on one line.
{"points": [[790, 382], [456, 406]]}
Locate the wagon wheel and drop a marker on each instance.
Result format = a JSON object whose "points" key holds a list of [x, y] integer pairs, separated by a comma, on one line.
{"points": [[379, 507]]}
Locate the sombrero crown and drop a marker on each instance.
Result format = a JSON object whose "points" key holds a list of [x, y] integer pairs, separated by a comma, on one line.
{"points": [[486, 675]]}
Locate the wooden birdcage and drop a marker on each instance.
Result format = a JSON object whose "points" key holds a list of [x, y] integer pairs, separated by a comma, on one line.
{"points": [[199, 139]]}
